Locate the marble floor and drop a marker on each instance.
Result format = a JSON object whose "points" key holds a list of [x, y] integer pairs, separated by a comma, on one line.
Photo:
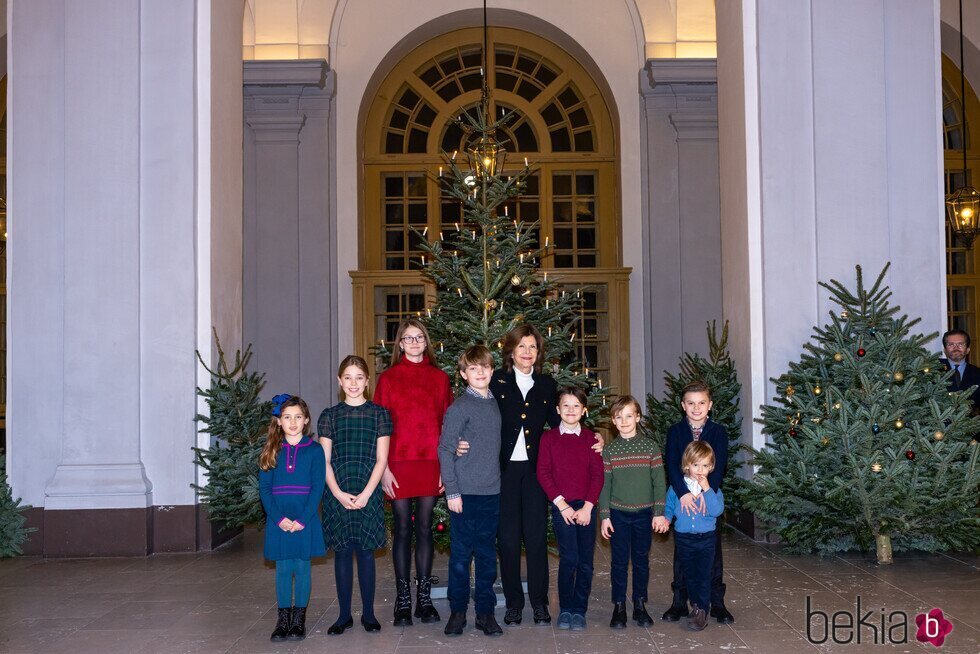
{"points": [[223, 601]]}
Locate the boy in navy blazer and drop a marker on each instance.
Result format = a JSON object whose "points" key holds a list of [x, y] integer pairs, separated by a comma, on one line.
{"points": [[696, 402]]}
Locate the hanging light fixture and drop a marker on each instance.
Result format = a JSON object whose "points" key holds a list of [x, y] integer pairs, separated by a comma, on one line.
{"points": [[485, 154], [963, 205]]}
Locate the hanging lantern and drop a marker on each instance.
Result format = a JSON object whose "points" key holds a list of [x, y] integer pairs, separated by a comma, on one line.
{"points": [[963, 204], [486, 157]]}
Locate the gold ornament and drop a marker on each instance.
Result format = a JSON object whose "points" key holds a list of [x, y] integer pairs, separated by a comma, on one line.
{"points": [[899, 424], [925, 370], [844, 314], [973, 441], [837, 405], [899, 376], [515, 280], [492, 303], [824, 440], [817, 390], [876, 466], [939, 435], [838, 356], [790, 390]]}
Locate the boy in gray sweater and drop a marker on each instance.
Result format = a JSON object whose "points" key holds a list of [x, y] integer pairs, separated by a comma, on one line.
{"points": [[472, 492]]}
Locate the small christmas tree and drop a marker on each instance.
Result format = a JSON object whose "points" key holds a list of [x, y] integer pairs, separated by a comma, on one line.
{"points": [[13, 533], [718, 372], [868, 448], [237, 421], [487, 274]]}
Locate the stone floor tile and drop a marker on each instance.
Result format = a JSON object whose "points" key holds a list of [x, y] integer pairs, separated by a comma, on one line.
{"points": [[140, 615], [115, 641], [37, 634], [173, 643], [775, 641]]}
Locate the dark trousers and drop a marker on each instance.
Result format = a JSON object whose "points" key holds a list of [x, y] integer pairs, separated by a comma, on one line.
{"points": [[471, 540], [576, 551], [523, 517], [679, 587], [696, 552], [631, 538]]}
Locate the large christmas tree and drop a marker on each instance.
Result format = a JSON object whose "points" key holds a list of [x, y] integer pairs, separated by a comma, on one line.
{"points": [[237, 421], [717, 370], [868, 449], [487, 273]]}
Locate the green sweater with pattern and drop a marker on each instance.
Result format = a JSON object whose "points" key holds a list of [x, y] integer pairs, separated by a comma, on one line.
{"points": [[634, 476]]}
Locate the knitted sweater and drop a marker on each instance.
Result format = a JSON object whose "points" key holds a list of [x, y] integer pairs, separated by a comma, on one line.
{"points": [[634, 476], [417, 396], [568, 466], [477, 472], [714, 504]]}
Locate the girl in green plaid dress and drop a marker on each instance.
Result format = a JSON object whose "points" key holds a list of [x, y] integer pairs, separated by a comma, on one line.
{"points": [[355, 436]]}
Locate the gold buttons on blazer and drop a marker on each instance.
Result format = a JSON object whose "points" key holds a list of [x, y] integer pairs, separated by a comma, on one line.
{"points": [[527, 404], [523, 416]]}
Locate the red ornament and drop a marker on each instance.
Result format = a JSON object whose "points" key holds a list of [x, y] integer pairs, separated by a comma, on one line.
{"points": [[441, 527], [910, 455], [792, 432], [860, 351]]}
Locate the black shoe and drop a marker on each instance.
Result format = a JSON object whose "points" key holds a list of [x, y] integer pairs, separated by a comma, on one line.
{"points": [[370, 624], [297, 625], [423, 600], [541, 615], [455, 624], [674, 613], [403, 604], [640, 615], [724, 616], [282, 626], [619, 616], [339, 627], [488, 624], [513, 616]]}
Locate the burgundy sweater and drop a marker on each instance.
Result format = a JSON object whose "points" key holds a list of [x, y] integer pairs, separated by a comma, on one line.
{"points": [[568, 466]]}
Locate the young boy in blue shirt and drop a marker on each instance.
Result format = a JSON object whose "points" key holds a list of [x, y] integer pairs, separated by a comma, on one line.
{"points": [[696, 426], [694, 532]]}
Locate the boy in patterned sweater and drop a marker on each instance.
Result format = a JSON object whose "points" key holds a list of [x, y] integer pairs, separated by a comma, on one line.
{"points": [[631, 503]]}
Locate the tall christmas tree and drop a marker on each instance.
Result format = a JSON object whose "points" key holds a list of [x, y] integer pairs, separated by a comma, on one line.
{"points": [[13, 533], [718, 372], [868, 449], [487, 274], [237, 421]]}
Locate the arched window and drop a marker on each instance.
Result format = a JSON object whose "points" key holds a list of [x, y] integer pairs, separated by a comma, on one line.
{"points": [[561, 124], [962, 265]]}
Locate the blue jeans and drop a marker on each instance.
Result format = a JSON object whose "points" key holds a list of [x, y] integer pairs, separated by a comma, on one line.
{"points": [[472, 537], [285, 570], [697, 556], [576, 549], [631, 538]]}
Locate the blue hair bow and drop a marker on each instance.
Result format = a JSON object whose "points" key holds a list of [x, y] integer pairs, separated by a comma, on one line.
{"points": [[277, 403]]}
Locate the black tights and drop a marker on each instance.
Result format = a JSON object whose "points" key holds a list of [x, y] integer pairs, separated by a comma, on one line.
{"points": [[402, 546], [343, 567]]}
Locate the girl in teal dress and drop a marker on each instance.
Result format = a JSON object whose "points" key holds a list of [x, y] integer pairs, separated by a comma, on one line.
{"points": [[291, 477], [354, 435]]}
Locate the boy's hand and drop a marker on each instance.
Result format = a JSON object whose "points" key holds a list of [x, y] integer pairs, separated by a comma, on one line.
{"points": [[286, 524], [598, 445], [703, 480], [462, 448], [661, 525], [606, 528], [455, 505], [692, 505], [388, 483], [583, 516]]}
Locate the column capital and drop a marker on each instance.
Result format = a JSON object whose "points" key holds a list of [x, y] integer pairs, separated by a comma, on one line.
{"points": [[680, 84], [293, 72], [276, 125], [695, 124]]}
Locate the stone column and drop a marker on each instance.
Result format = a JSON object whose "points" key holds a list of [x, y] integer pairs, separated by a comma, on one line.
{"points": [[289, 250], [831, 157], [682, 232]]}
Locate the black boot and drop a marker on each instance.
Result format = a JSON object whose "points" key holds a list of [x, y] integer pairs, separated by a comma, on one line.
{"points": [[675, 613], [455, 624], [282, 626], [487, 623], [619, 616], [640, 615], [403, 604], [297, 626], [423, 600], [723, 615]]}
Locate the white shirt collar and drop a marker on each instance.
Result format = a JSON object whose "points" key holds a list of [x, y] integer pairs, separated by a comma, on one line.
{"points": [[562, 429]]}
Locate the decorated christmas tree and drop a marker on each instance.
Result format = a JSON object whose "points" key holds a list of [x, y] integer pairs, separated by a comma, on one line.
{"points": [[12, 529], [718, 372], [867, 449], [487, 274], [237, 421]]}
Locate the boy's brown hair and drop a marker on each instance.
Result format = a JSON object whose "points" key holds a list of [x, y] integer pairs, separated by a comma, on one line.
{"points": [[697, 451], [575, 392], [696, 386], [621, 403], [475, 355]]}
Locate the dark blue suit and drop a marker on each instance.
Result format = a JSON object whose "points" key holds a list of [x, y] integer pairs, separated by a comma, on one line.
{"points": [[678, 438], [971, 377]]}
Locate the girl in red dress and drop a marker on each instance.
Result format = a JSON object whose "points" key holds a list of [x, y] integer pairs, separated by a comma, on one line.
{"points": [[417, 394]]}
